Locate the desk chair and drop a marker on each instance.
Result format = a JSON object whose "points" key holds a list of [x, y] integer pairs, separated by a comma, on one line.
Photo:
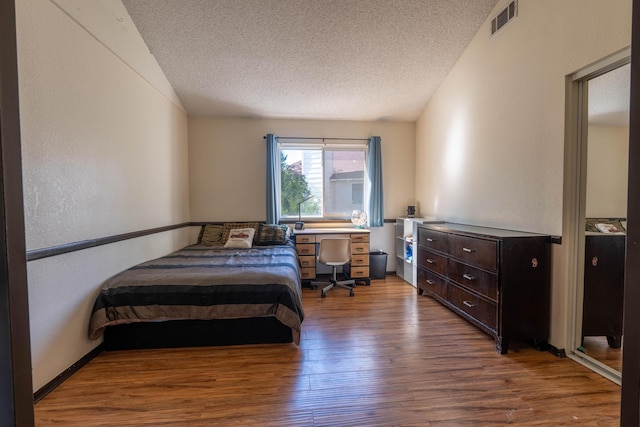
{"points": [[335, 252]]}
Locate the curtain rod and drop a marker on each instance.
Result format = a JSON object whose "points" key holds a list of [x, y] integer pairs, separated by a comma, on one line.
{"points": [[327, 139]]}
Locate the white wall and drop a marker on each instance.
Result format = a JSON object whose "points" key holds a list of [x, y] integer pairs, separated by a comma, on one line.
{"points": [[490, 143], [607, 167], [227, 166], [104, 153]]}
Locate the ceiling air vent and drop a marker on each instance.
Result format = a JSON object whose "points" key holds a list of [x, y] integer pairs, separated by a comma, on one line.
{"points": [[505, 15]]}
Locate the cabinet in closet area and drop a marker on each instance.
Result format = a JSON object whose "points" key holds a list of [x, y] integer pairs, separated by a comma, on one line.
{"points": [[499, 280], [604, 287]]}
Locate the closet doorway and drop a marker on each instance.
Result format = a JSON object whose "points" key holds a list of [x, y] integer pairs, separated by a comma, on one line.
{"points": [[601, 98]]}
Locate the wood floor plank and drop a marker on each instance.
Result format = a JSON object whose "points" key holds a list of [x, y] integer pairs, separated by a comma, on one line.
{"points": [[385, 357]]}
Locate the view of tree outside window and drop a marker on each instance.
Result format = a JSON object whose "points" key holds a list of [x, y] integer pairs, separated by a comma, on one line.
{"points": [[334, 177]]}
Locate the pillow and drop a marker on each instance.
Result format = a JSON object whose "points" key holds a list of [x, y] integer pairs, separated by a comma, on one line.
{"points": [[271, 234], [608, 228], [600, 224], [211, 235], [228, 226], [240, 238]]}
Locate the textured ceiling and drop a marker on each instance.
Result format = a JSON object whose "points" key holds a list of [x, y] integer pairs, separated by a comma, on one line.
{"points": [[315, 59]]}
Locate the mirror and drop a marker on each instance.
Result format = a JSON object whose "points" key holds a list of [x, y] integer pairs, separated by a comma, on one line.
{"points": [[605, 211]]}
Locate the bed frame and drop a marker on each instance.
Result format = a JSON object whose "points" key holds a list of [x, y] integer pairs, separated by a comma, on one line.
{"points": [[196, 333]]}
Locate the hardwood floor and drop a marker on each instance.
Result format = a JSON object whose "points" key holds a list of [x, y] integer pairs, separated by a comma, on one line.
{"points": [[598, 348], [386, 357]]}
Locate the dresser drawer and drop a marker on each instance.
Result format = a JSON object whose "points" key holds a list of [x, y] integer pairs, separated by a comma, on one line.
{"points": [[476, 307], [306, 249], [432, 261], [360, 260], [359, 238], [307, 261], [308, 273], [480, 281], [358, 272], [359, 248], [436, 240], [305, 238], [477, 252], [432, 283]]}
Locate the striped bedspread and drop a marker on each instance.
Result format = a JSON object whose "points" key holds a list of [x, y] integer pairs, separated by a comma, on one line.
{"points": [[204, 282]]}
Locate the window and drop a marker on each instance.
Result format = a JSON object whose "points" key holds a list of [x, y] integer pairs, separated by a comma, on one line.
{"points": [[357, 192], [333, 178]]}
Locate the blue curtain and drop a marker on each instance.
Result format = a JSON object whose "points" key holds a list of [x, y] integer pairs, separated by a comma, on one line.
{"points": [[273, 179], [376, 199]]}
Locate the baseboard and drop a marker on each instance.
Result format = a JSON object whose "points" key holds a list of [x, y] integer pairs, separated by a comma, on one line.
{"points": [[54, 383]]}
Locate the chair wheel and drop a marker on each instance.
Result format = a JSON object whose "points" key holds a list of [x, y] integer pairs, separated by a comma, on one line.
{"points": [[351, 293], [322, 294]]}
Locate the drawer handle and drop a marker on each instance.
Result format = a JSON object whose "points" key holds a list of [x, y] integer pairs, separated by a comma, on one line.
{"points": [[359, 261], [469, 276], [359, 249], [468, 304], [430, 261], [304, 251], [431, 282], [467, 250], [429, 239]]}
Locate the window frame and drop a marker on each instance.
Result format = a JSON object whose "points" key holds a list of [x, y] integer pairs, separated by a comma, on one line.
{"points": [[289, 146]]}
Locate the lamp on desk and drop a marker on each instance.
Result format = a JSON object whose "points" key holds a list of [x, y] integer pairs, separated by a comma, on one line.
{"points": [[300, 224]]}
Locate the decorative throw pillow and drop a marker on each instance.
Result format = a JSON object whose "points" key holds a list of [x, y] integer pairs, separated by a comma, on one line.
{"points": [[608, 228], [271, 234], [240, 238], [599, 224], [228, 226], [211, 235]]}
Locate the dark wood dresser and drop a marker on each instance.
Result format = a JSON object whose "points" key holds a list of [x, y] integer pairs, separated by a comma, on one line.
{"points": [[499, 280], [603, 287]]}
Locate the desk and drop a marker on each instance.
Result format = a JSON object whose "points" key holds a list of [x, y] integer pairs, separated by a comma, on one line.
{"points": [[307, 241]]}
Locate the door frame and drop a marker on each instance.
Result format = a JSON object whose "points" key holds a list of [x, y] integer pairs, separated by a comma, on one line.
{"points": [[574, 208], [16, 402], [16, 389], [630, 402]]}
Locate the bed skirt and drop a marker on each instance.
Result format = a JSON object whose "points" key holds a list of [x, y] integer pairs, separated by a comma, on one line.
{"points": [[196, 333]]}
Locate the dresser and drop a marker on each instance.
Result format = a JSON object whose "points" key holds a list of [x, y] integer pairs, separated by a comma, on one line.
{"points": [[604, 286], [499, 280], [308, 241]]}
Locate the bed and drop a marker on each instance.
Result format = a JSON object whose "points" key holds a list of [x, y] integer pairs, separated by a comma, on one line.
{"points": [[204, 294]]}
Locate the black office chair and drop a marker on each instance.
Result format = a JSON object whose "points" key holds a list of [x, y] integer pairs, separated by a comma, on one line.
{"points": [[335, 252]]}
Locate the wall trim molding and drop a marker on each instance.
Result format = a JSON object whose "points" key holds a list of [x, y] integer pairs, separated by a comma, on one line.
{"points": [[85, 244], [55, 383], [37, 254]]}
